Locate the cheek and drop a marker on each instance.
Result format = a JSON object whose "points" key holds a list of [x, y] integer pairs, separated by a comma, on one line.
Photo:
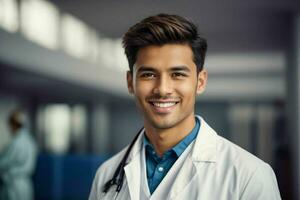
{"points": [[187, 89], [142, 90]]}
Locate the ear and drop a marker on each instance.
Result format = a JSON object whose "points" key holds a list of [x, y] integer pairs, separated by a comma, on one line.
{"points": [[202, 80], [130, 82]]}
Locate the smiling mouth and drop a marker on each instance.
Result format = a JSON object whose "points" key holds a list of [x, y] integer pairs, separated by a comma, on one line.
{"points": [[163, 104]]}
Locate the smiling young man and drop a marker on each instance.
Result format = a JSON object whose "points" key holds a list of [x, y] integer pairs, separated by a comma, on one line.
{"points": [[177, 155]]}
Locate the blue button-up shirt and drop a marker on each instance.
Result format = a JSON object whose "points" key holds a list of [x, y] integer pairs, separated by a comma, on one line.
{"points": [[158, 167]]}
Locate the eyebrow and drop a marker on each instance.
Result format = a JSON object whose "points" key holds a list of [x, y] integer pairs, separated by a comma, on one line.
{"points": [[145, 68], [175, 68], [180, 68]]}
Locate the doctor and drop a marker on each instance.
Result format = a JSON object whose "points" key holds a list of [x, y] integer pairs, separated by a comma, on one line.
{"points": [[17, 161], [177, 155]]}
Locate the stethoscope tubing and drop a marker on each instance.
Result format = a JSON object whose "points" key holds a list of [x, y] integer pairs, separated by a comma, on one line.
{"points": [[118, 177]]}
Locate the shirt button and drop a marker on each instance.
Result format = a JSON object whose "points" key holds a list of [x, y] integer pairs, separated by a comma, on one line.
{"points": [[160, 169]]}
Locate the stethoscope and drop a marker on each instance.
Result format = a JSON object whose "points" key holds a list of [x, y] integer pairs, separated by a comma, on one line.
{"points": [[118, 177]]}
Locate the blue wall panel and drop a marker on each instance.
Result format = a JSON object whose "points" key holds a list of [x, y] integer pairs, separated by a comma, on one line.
{"points": [[65, 177]]}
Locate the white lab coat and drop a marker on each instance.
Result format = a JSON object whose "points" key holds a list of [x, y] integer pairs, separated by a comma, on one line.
{"points": [[211, 168], [17, 163]]}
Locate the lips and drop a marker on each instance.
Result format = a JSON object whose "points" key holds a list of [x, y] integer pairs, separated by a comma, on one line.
{"points": [[163, 106]]}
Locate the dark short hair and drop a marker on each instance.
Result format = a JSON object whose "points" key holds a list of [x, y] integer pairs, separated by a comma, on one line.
{"points": [[164, 29], [17, 118]]}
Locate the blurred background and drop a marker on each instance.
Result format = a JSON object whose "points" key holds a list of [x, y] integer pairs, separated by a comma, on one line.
{"points": [[62, 61]]}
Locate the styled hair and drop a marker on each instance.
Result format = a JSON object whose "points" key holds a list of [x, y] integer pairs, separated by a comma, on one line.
{"points": [[164, 29]]}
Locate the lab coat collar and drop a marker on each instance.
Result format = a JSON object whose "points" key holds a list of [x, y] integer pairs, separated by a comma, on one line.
{"points": [[205, 148], [137, 147], [133, 168]]}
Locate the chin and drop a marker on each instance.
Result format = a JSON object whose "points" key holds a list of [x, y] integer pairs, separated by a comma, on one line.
{"points": [[162, 123], [162, 126]]}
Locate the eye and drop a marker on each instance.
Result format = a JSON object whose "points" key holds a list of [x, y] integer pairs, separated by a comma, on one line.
{"points": [[147, 75], [178, 75]]}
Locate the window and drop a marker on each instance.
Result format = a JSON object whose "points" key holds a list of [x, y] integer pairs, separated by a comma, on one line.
{"points": [[39, 22], [75, 36], [62, 128], [9, 15]]}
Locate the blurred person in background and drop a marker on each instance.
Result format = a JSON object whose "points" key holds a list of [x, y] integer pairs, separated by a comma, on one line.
{"points": [[17, 161], [177, 155]]}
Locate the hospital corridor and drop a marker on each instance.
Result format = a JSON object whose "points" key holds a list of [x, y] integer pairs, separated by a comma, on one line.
{"points": [[65, 107]]}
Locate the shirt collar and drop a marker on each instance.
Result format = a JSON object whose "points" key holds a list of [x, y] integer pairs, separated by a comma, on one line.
{"points": [[182, 145]]}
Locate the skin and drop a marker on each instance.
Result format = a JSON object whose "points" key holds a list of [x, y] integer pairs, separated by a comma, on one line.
{"points": [[166, 74]]}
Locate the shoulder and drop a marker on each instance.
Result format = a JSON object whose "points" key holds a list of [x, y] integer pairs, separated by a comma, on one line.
{"points": [[106, 170], [235, 156], [224, 152], [25, 141], [255, 177], [248, 174], [109, 166]]}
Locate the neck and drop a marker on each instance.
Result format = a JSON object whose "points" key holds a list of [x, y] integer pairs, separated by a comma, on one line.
{"points": [[164, 139], [15, 131]]}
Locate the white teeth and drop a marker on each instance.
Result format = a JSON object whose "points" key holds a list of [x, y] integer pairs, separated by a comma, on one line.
{"points": [[164, 105]]}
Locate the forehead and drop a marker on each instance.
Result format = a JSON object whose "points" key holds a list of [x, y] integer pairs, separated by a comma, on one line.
{"points": [[165, 56]]}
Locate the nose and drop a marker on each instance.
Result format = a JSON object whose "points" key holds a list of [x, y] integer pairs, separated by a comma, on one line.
{"points": [[163, 87]]}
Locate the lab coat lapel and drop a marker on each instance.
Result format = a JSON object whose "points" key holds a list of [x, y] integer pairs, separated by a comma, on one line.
{"points": [[204, 149], [184, 177], [133, 169]]}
